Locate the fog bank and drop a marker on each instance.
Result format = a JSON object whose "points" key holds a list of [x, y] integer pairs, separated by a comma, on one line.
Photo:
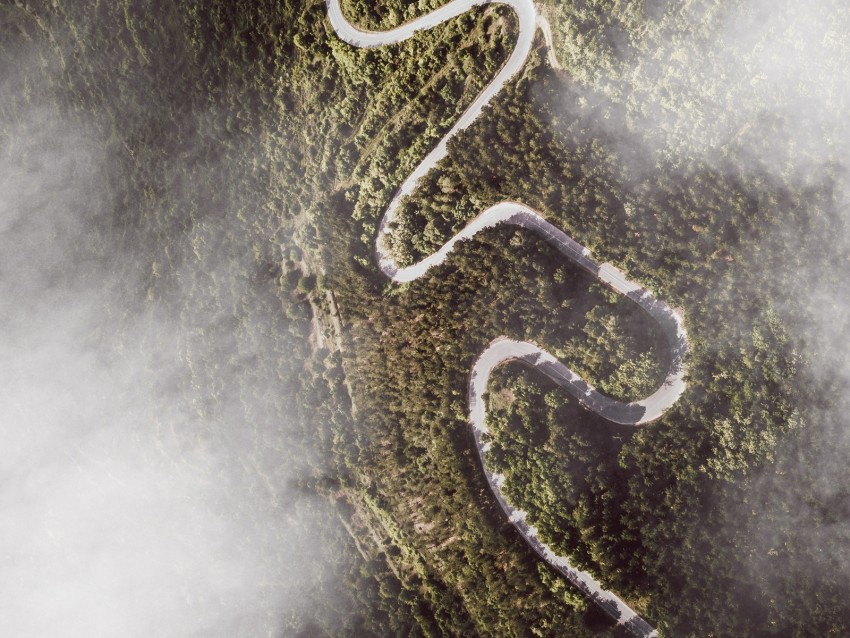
{"points": [[128, 507]]}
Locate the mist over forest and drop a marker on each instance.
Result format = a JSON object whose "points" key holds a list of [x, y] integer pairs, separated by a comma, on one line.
{"points": [[753, 93], [218, 418], [765, 106], [155, 467]]}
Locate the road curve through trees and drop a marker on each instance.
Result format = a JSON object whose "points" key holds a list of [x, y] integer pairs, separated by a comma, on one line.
{"points": [[503, 349]]}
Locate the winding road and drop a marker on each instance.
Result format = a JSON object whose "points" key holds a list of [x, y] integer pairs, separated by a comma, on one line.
{"points": [[503, 349]]}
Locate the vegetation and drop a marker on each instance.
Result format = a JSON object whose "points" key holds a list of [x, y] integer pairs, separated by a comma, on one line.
{"points": [[253, 154], [714, 236]]}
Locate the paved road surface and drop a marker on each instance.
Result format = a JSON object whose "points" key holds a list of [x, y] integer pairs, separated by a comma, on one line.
{"points": [[502, 349]]}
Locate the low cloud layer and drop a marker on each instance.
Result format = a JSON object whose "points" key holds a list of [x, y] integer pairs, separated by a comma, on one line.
{"points": [[125, 508], [758, 91]]}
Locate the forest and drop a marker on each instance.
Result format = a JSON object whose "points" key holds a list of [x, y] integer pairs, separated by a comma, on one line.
{"points": [[253, 154]]}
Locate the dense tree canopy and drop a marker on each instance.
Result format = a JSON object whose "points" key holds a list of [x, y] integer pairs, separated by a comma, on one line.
{"points": [[254, 153]]}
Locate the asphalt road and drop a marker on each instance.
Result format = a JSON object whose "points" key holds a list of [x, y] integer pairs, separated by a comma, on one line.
{"points": [[502, 349]]}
